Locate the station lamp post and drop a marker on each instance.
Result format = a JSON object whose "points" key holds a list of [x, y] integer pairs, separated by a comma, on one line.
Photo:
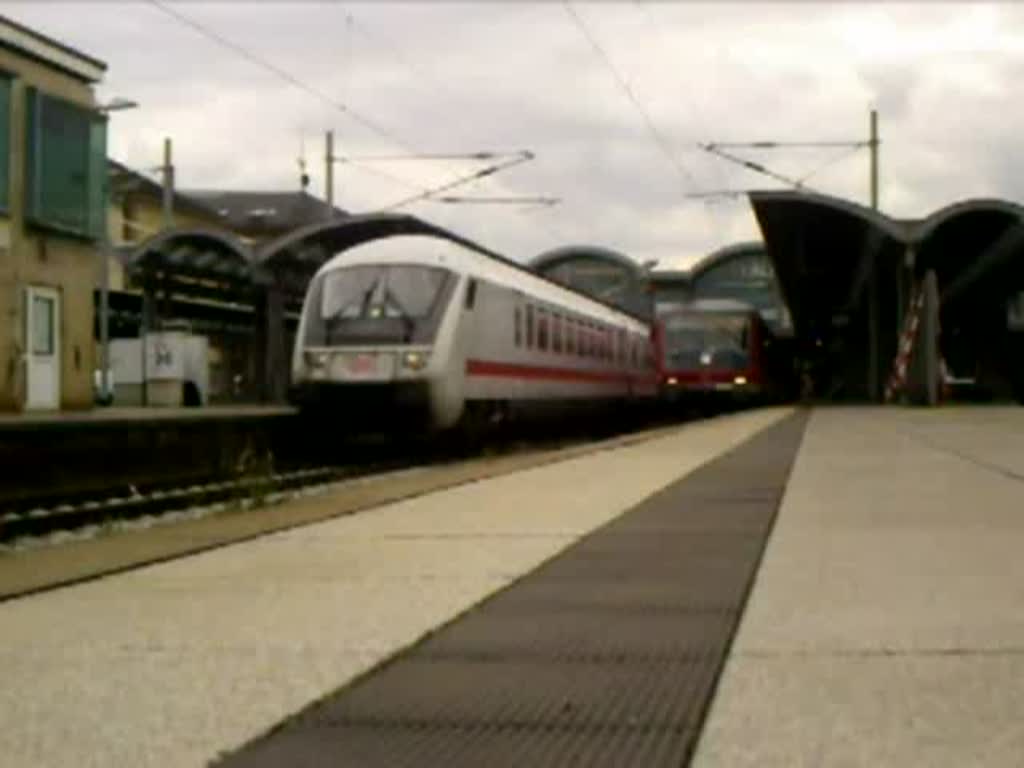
{"points": [[106, 253]]}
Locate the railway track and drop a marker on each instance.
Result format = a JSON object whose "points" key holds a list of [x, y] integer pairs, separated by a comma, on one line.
{"points": [[155, 502], [255, 484]]}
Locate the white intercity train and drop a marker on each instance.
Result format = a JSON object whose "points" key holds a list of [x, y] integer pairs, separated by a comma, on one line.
{"points": [[427, 331]]}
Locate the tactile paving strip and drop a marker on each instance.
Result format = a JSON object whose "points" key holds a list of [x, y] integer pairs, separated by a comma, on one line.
{"points": [[605, 655]]}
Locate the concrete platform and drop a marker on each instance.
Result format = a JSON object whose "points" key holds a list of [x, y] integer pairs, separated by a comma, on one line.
{"points": [[566, 666], [886, 627], [176, 663]]}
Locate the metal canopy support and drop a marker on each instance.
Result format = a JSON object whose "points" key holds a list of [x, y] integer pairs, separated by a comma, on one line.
{"points": [[874, 390], [904, 285], [866, 266], [273, 355], [929, 346], [923, 370]]}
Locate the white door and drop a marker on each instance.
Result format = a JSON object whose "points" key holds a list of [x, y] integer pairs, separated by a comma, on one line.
{"points": [[42, 344]]}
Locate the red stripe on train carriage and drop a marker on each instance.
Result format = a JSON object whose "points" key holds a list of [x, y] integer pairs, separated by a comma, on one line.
{"points": [[545, 373]]}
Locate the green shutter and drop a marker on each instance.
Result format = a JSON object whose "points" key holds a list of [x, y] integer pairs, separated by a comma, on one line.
{"points": [[5, 142], [98, 187], [60, 159], [32, 153]]}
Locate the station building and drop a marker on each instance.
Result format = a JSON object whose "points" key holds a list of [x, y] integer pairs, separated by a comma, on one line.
{"points": [[52, 215]]}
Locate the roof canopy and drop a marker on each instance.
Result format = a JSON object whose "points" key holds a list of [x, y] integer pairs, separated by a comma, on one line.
{"points": [[197, 262], [825, 249]]}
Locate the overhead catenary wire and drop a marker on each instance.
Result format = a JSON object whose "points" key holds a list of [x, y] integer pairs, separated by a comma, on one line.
{"points": [[643, 7], [336, 104], [850, 150], [659, 140], [436, 85], [475, 176], [361, 119], [283, 74], [352, 22]]}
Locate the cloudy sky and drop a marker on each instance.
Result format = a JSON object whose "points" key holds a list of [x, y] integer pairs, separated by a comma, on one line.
{"points": [[432, 77]]}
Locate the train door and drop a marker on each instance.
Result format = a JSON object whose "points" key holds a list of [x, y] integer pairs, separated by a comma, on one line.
{"points": [[454, 351]]}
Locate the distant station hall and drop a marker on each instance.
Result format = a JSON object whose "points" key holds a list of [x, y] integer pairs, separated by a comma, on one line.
{"points": [[740, 272], [603, 273]]}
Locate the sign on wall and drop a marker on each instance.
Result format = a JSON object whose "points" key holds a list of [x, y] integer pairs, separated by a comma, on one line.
{"points": [[165, 355]]}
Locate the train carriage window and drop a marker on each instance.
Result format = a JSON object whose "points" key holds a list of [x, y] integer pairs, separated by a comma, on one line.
{"points": [[518, 321], [570, 336], [542, 329], [470, 293], [622, 347], [633, 354], [584, 339], [529, 326], [556, 333]]}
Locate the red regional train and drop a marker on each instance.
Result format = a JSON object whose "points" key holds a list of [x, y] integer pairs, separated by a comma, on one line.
{"points": [[718, 353]]}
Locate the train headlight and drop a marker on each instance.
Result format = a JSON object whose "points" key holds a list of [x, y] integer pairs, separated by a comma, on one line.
{"points": [[672, 381], [705, 358], [317, 359], [414, 361], [740, 380]]}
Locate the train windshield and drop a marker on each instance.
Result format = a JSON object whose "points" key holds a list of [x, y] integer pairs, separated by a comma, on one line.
{"points": [[365, 304], [692, 340]]}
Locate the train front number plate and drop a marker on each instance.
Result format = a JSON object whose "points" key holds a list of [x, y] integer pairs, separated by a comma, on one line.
{"points": [[369, 366]]}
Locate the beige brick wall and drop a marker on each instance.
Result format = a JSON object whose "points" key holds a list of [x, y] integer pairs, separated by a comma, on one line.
{"points": [[36, 257]]}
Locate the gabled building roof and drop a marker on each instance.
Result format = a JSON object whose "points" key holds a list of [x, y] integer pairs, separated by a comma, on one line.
{"points": [[126, 180], [265, 213], [36, 45]]}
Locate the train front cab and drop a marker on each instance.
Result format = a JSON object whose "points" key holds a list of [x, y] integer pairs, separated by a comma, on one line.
{"points": [[372, 345], [711, 361]]}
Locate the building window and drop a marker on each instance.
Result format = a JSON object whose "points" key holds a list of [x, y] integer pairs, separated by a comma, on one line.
{"points": [[519, 326], [542, 329], [556, 333], [66, 162], [529, 326], [42, 325]]}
